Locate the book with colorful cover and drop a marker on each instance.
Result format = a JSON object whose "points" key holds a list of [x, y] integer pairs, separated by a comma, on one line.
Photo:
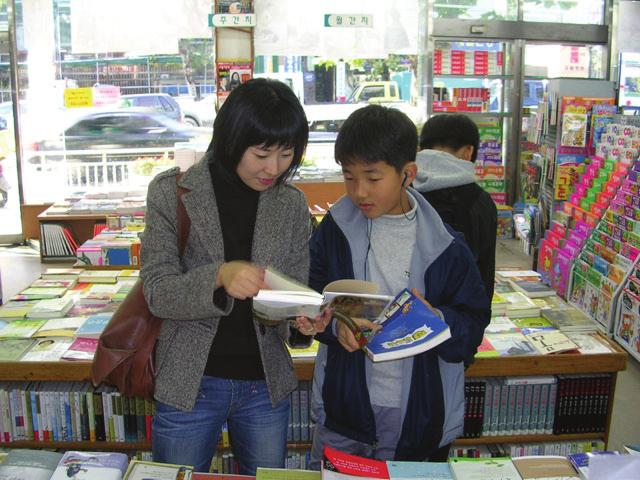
{"points": [[418, 470], [48, 349], [501, 324], [16, 310], [60, 327], [40, 293], [21, 328], [498, 468], [102, 465], [533, 323], [337, 465], [409, 326], [485, 349], [513, 343], [81, 349], [12, 349], [94, 325]]}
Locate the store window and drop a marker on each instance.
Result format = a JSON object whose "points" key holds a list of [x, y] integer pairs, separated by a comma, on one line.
{"points": [[564, 61], [589, 12], [476, 9]]}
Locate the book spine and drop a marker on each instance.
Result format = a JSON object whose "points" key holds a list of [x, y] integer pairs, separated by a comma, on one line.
{"points": [[544, 404], [91, 414], [495, 407], [488, 403], [511, 407], [536, 411], [504, 404], [517, 422], [35, 411], [526, 409], [304, 411], [551, 408]]}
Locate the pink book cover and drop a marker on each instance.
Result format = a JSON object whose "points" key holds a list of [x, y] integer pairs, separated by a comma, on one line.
{"points": [[577, 237], [572, 248], [553, 237], [598, 208], [561, 268], [580, 226], [81, 349], [545, 258], [559, 228]]}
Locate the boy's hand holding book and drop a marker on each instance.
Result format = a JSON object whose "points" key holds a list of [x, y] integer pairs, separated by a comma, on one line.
{"points": [[350, 340]]}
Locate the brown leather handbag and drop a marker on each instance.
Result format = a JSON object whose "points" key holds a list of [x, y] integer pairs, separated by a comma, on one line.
{"points": [[125, 356]]}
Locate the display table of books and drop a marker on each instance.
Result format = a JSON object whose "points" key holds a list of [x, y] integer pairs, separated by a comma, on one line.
{"points": [[518, 391]]}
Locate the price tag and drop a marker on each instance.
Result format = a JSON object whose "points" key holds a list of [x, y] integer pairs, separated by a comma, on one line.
{"points": [[220, 20], [348, 20]]}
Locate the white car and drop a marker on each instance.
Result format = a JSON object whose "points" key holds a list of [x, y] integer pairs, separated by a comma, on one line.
{"points": [[199, 113]]}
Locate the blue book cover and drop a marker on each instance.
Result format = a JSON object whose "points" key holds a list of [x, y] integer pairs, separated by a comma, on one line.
{"points": [[94, 325], [419, 470], [409, 327]]}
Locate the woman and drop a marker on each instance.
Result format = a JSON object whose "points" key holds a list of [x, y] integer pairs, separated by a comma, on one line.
{"points": [[215, 363]]}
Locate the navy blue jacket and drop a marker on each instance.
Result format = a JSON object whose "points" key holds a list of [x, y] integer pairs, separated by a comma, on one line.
{"points": [[443, 268]]}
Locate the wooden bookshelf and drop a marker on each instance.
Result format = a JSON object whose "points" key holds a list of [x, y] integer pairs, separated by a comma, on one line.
{"points": [[483, 367]]}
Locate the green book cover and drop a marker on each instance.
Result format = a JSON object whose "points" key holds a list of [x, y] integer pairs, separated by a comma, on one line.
{"points": [[13, 348]]}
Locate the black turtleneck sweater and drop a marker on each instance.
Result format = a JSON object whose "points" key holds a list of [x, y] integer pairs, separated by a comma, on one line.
{"points": [[235, 352]]}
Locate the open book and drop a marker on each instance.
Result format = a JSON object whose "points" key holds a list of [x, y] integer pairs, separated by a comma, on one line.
{"points": [[288, 299], [409, 325]]}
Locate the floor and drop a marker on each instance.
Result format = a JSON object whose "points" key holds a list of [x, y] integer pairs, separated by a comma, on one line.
{"points": [[20, 265]]}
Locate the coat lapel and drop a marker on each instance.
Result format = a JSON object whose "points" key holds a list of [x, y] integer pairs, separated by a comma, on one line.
{"points": [[202, 209]]}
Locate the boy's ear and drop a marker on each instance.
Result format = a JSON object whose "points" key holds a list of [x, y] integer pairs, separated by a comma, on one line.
{"points": [[409, 172]]}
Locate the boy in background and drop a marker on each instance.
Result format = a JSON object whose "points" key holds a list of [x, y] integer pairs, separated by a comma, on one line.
{"points": [[446, 178], [384, 231]]}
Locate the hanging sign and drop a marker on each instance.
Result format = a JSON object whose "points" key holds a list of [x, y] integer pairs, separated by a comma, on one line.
{"points": [[220, 20], [348, 20]]}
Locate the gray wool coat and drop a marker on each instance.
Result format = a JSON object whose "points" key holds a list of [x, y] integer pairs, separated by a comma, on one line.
{"points": [[180, 291]]}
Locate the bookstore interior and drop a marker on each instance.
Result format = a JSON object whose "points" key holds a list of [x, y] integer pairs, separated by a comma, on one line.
{"points": [[92, 108]]}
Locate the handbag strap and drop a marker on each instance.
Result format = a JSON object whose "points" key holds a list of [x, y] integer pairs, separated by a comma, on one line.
{"points": [[183, 221]]}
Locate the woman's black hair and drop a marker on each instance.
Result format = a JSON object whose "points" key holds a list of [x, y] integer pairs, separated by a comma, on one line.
{"points": [[452, 131], [376, 133], [259, 112]]}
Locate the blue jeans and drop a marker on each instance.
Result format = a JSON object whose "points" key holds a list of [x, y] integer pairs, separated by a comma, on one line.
{"points": [[258, 432]]}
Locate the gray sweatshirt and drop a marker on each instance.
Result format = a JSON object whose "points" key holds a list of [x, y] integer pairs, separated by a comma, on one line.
{"points": [[437, 170]]}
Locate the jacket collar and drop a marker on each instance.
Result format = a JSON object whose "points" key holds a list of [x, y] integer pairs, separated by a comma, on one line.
{"points": [[202, 208]]}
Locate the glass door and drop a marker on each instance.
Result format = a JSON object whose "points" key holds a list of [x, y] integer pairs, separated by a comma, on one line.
{"points": [[10, 224]]}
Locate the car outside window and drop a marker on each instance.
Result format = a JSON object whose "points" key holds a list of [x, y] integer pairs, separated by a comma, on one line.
{"points": [[166, 105]]}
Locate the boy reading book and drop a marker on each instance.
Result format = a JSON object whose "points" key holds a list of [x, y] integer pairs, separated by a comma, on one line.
{"points": [[386, 232]]}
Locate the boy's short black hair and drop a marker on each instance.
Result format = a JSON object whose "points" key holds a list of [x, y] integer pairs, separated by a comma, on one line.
{"points": [[452, 131], [259, 112], [376, 133]]}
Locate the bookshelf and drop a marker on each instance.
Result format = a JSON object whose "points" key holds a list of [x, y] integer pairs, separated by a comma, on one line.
{"points": [[611, 363], [81, 225]]}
